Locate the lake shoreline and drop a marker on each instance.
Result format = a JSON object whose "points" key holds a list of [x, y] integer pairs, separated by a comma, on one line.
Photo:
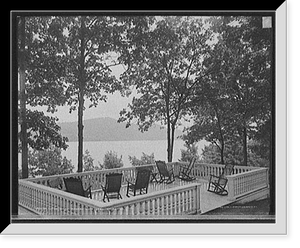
{"points": [[97, 150]]}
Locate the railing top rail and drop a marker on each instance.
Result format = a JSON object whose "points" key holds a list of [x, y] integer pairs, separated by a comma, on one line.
{"points": [[257, 170], [82, 174]]}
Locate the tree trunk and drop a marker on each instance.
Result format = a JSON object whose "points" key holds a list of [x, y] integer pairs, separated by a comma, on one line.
{"points": [[222, 153], [221, 136], [169, 151], [245, 153], [172, 142], [23, 138], [80, 131], [81, 88]]}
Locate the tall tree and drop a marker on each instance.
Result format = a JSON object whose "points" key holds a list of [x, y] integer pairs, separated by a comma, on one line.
{"points": [[211, 112], [91, 43], [21, 65], [69, 61], [39, 77], [241, 77], [250, 74], [165, 66]]}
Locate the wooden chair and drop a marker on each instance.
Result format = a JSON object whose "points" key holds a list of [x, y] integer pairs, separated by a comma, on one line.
{"points": [[56, 183], [112, 186], [141, 183], [185, 171], [153, 173], [217, 184], [165, 174], [74, 185]]}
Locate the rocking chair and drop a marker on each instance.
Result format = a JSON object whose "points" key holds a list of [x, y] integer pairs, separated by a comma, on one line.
{"points": [[165, 174], [217, 184], [185, 171]]}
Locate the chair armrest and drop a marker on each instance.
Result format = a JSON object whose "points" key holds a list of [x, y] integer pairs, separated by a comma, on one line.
{"points": [[88, 192], [103, 187], [88, 188]]}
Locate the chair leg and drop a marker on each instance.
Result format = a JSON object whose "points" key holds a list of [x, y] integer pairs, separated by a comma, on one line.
{"points": [[105, 195], [127, 193], [128, 188], [209, 187]]}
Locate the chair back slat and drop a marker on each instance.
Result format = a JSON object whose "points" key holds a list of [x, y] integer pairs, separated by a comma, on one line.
{"points": [[222, 182], [74, 185], [142, 179], [162, 168], [191, 165], [113, 182], [147, 167]]}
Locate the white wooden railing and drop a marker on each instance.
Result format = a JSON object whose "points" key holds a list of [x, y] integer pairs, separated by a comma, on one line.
{"points": [[173, 201], [48, 201], [245, 183], [35, 194], [96, 178], [204, 171]]}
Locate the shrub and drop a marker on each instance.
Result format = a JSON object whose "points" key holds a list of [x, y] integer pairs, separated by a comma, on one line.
{"points": [[111, 160], [190, 151], [48, 162], [145, 159], [88, 162]]}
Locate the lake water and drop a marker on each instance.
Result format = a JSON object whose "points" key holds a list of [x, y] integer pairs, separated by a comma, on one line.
{"points": [[98, 149]]}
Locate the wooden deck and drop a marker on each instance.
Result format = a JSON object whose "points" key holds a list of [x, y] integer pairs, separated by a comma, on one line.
{"points": [[208, 201]]}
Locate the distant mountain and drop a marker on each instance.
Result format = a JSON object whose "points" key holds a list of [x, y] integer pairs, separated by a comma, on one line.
{"points": [[108, 129]]}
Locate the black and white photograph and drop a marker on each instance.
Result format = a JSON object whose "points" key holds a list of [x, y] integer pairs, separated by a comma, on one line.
{"points": [[145, 117]]}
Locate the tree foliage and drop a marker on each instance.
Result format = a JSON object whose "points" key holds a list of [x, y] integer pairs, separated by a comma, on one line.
{"points": [[48, 162], [43, 131], [44, 68], [190, 152], [144, 160], [233, 103], [164, 70]]}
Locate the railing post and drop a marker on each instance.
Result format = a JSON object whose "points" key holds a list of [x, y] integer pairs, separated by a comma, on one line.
{"points": [[230, 188]]}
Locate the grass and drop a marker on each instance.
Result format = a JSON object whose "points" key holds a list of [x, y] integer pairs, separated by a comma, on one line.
{"points": [[259, 207]]}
